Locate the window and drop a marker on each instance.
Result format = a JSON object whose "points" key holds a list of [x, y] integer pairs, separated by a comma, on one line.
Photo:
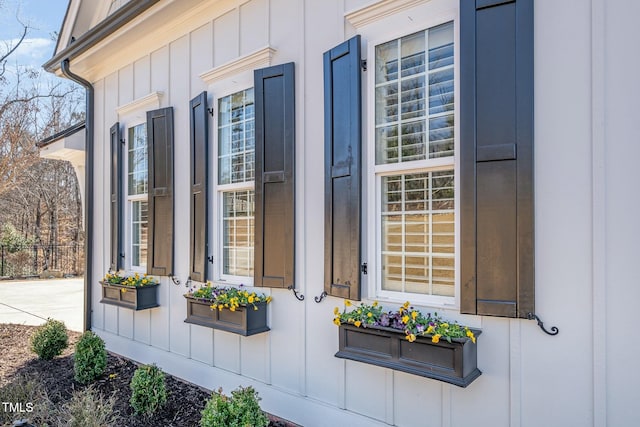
{"points": [[137, 202], [235, 186], [414, 165]]}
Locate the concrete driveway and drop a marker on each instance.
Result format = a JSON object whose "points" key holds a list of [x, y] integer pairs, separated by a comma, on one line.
{"points": [[31, 302]]}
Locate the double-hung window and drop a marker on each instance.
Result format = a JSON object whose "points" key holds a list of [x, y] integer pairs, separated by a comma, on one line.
{"points": [[235, 186], [413, 166], [137, 201]]}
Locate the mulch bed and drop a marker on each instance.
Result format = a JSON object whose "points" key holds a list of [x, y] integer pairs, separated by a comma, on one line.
{"points": [[185, 401]]}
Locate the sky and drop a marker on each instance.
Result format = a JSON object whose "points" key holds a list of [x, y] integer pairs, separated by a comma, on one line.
{"points": [[44, 17]]}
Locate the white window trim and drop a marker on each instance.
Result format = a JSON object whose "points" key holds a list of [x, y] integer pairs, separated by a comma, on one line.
{"points": [[225, 89], [132, 114], [374, 36], [129, 199]]}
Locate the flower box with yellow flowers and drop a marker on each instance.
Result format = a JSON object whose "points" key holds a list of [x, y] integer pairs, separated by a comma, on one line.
{"points": [[137, 292], [230, 309], [408, 341]]}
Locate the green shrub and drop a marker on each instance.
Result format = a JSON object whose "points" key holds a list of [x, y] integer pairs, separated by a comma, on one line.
{"points": [[240, 410], [49, 340], [28, 395], [88, 408], [147, 390], [90, 359]]}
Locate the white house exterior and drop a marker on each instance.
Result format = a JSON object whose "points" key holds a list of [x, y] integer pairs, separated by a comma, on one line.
{"points": [[148, 55]]}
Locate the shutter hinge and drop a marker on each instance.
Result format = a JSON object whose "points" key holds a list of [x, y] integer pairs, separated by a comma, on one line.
{"points": [[363, 268], [363, 64], [210, 110], [210, 259], [122, 141]]}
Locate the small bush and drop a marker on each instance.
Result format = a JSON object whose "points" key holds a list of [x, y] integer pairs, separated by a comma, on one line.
{"points": [[49, 340], [148, 391], [240, 410], [90, 359], [27, 395], [88, 408]]}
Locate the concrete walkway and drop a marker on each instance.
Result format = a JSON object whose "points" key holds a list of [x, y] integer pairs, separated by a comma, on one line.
{"points": [[31, 302]]}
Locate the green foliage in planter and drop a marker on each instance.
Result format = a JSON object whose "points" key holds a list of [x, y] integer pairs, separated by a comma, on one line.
{"points": [[31, 394], [88, 408], [240, 410], [50, 339], [90, 359], [148, 391]]}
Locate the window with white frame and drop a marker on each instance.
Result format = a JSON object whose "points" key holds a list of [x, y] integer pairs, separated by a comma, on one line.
{"points": [[137, 188], [413, 168], [235, 185]]}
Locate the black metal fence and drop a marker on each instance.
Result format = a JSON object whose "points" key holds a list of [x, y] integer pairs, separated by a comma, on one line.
{"points": [[33, 260]]}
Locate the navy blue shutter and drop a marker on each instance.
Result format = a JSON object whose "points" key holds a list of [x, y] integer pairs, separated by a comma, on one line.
{"points": [[160, 239], [496, 124], [199, 178], [275, 186], [117, 229], [342, 144]]}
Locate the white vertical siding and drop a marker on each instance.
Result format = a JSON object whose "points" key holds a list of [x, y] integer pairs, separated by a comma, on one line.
{"points": [[621, 176], [225, 46], [179, 91], [556, 372], [111, 102], [586, 233], [254, 17]]}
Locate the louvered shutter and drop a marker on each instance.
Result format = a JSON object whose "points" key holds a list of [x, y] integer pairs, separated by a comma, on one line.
{"points": [[496, 124], [274, 185], [160, 240], [199, 198], [342, 142], [117, 235]]}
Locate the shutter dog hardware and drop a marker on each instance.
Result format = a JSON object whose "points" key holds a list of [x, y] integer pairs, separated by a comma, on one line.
{"points": [[298, 296], [533, 316], [174, 279], [322, 296]]}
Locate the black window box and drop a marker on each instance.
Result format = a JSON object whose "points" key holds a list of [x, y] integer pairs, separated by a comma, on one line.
{"points": [[243, 321], [135, 298], [454, 363]]}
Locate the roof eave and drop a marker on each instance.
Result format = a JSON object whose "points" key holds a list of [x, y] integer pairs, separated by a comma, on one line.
{"points": [[98, 33]]}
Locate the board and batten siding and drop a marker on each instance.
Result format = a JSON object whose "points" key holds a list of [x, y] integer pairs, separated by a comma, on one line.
{"points": [[585, 230]]}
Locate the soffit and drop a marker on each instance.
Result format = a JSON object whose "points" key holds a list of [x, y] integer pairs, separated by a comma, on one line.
{"points": [[157, 26]]}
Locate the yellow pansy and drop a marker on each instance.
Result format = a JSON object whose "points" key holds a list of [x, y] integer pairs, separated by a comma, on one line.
{"points": [[347, 303], [336, 311], [445, 325], [414, 314], [436, 338], [268, 299], [430, 329], [220, 307], [405, 319], [251, 299], [369, 314], [411, 337], [336, 321], [357, 323], [232, 308], [375, 303]]}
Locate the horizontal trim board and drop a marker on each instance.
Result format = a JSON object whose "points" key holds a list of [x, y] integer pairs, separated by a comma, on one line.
{"points": [[144, 103], [257, 59], [379, 10]]}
